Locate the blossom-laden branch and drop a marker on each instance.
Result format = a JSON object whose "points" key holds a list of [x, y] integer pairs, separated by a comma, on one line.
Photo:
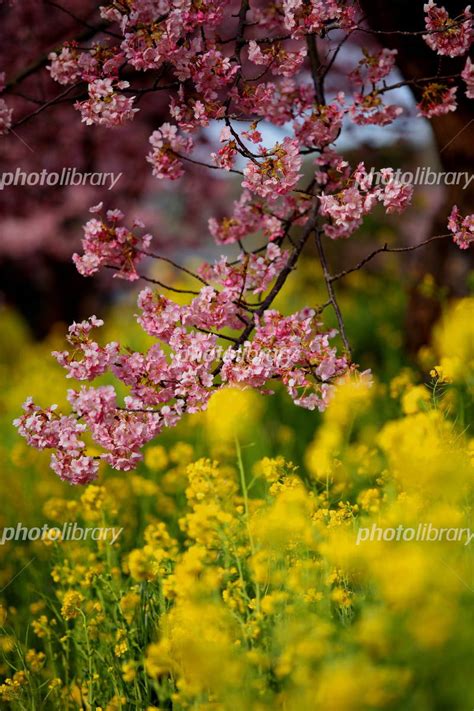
{"points": [[267, 70]]}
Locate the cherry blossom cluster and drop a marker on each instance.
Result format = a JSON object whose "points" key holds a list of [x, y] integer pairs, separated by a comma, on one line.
{"points": [[368, 106], [294, 349], [47, 429], [462, 228], [121, 432], [468, 75], [446, 36], [87, 360], [249, 216], [250, 272], [64, 67], [235, 66], [226, 155], [437, 100], [374, 67], [71, 64], [321, 127], [276, 58], [348, 207], [277, 172], [302, 17], [369, 109], [166, 147], [106, 106], [109, 243]]}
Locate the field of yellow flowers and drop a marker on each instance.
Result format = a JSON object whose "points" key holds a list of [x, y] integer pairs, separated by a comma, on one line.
{"points": [[243, 578]]}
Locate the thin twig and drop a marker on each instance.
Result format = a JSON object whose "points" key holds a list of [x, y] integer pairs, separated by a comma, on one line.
{"points": [[158, 283], [46, 105], [174, 264], [330, 290], [218, 335], [413, 33], [204, 165], [82, 22], [415, 82], [329, 65], [379, 250]]}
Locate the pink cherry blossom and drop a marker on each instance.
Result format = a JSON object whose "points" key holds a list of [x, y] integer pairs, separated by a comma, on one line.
{"points": [[276, 58], [437, 100], [166, 145], [322, 127], [249, 216], [262, 269], [64, 67], [369, 109], [312, 16], [210, 73], [88, 360], [346, 210], [374, 67], [395, 197], [277, 173], [468, 75], [47, 429], [108, 243], [292, 348], [462, 228], [124, 434], [148, 47], [212, 309], [5, 111], [96, 405], [191, 113], [348, 207], [75, 470], [106, 106], [447, 36], [5, 117], [147, 375], [226, 155], [160, 316]]}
